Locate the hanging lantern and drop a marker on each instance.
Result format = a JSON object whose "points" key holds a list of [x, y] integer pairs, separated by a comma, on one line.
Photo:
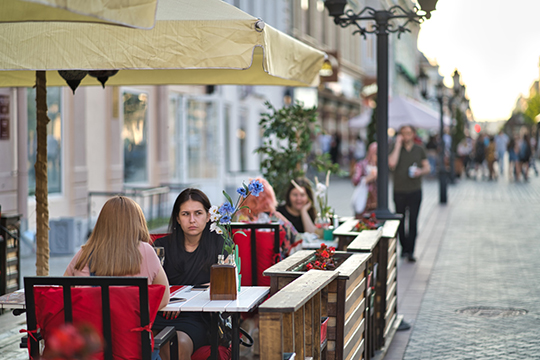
{"points": [[73, 77], [102, 75]]}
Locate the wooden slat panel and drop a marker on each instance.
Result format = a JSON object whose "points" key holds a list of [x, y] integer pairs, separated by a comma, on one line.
{"points": [[355, 278], [354, 321], [391, 278], [294, 296], [299, 331], [324, 301], [331, 333], [284, 281], [354, 299], [310, 324], [288, 332], [354, 342], [332, 309], [340, 317], [392, 243], [317, 329], [271, 336], [330, 355], [391, 294], [359, 353], [390, 312], [389, 325], [392, 262]]}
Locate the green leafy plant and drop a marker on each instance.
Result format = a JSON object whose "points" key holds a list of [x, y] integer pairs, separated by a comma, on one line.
{"points": [[289, 134]]}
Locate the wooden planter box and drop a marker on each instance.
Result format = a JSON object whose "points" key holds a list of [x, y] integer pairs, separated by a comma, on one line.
{"points": [[346, 300], [382, 245], [345, 234]]}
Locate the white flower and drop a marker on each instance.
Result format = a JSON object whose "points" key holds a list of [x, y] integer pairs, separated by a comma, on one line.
{"points": [[214, 217], [214, 210], [216, 228], [320, 190]]}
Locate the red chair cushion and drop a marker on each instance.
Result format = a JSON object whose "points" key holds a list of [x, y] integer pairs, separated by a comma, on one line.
{"points": [[154, 237], [203, 353], [86, 302], [265, 255]]}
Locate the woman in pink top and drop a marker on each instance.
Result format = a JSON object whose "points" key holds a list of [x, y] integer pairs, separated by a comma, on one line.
{"points": [[119, 246]]}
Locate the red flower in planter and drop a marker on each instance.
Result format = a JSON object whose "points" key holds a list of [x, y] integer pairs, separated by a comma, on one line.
{"points": [[324, 259]]}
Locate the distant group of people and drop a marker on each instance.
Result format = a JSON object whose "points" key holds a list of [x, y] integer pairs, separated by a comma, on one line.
{"points": [[480, 156]]}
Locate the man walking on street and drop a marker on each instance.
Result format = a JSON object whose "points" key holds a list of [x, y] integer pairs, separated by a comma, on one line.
{"points": [[409, 163], [501, 144]]}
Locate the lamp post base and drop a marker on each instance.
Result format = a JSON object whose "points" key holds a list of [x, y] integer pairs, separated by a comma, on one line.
{"points": [[443, 186], [385, 214]]}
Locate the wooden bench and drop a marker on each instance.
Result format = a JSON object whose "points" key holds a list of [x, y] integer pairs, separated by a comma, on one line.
{"points": [[346, 300], [290, 321]]}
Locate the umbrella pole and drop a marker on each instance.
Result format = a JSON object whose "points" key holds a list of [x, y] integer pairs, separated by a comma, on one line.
{"points": [[42, 202]]}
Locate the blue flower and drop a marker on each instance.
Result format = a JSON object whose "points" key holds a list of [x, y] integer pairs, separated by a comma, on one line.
{"points": [[255, 187], [226, 209], [225, 219], [242, 191]]}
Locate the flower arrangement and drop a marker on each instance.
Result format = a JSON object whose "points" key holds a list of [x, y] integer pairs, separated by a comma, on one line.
{"points": [[324, 259], [370, 223], [321, 194], [69, 342], [222, 216]]}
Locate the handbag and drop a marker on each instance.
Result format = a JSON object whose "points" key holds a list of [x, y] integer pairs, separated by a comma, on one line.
{"points": [[359, 197]]}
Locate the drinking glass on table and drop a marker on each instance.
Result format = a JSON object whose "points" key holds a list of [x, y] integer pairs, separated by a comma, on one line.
{"points": [[160, 252]]}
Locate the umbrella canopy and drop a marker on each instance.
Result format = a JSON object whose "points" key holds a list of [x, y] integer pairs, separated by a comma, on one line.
{"points": [[403, 111], [193, 42], [133, 13]]}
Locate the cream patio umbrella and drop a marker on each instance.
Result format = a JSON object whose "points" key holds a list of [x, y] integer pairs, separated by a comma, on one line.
{"points": [[132, 13], [192, 42]]}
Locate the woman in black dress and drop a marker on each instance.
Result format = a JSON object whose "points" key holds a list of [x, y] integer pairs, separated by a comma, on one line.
{"points": [[190, 251], [299, 208]]}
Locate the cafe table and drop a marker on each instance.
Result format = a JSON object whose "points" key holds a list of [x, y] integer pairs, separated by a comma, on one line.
{"points": [[191, 300]]}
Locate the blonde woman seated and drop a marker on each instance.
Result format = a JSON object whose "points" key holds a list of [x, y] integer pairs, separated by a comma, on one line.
{"points": [[119, 246]]}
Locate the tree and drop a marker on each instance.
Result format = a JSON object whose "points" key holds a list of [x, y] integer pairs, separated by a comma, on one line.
{"points": [[533, 110], [288, 139]]}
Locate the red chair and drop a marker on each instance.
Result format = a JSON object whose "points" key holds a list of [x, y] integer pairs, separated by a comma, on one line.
{"points": [[258, 250], [122, 309], [154, 237]]}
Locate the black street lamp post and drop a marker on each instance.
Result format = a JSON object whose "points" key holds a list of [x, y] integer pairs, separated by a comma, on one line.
{"points": [[444, 176], [382, 28]]}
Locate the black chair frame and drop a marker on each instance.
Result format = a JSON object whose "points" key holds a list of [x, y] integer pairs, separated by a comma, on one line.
{"points": [[167, 335], [253, 240]]}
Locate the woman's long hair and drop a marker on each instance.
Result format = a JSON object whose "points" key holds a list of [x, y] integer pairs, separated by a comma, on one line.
{"points": [[113, 247], [177, 237], [304, 183]]}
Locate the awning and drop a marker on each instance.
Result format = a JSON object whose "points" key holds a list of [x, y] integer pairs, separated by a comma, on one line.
{"points": [[132, 13], [193, 42], [403, 111]]}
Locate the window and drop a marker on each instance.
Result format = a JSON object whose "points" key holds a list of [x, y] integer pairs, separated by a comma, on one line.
{"points": [[54, 140], [202, 139], [227, 131], [174, 133], [134, 135], [241, 135]]}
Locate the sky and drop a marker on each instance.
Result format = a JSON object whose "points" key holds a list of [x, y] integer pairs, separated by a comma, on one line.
{"points": [[494, 44]]}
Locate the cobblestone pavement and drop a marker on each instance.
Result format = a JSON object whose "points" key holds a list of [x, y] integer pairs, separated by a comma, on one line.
{"points": [[489, 256]]}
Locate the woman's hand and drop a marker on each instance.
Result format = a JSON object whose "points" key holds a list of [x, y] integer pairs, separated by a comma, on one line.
{"points": [[307, 206], [170, 314]]}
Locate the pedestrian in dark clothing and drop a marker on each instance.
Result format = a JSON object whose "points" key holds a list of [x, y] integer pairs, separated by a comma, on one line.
{"points": [[409, 163]]}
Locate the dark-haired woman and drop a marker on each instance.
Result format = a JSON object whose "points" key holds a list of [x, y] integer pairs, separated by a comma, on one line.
{"points": [[299, 208], [190, 251]]}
